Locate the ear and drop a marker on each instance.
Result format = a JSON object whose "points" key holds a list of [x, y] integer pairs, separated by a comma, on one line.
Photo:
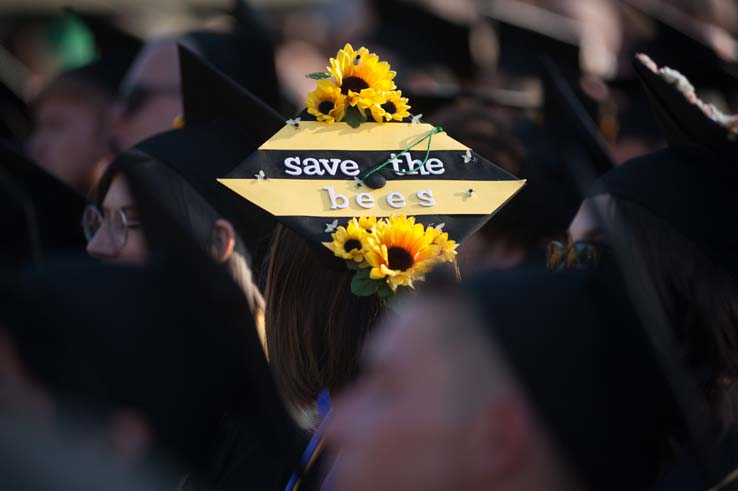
{"points": [[224, 240], [130, 435], [502, 440]]}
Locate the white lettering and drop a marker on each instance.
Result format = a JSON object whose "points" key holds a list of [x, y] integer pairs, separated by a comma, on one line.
{"points": [[338, 201], [349, 168], [330, 168], [426, 198], [293, 166], [435, 166], [312, 167], [365, 200], [396, 200]]}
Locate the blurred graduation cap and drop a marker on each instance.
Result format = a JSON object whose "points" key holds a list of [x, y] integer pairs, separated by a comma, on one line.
{"points": [[15, 117], [566, 116], [682, 116], [245, 55], [526, 32], [224, 123], [40, 214], [421, 38], [116, 51], [314, 177], [682, 41], [565, 335]]}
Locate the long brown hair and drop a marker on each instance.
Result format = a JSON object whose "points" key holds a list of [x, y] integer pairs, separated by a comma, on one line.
{"points": [[700, 299], [315, 326]]}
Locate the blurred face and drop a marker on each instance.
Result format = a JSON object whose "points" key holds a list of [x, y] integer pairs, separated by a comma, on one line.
{"points": [[150, 97], [118, 236], [70, 140], [423, 416]]}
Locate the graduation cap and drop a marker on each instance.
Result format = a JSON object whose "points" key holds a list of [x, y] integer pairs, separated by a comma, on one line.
{"points": [[116, 51], [246, 56], [526, 32], [422, 38], [15, 117], [224, 123], [40, 214], [316, 177], [565, 335], [566, 116], [683, 117]]}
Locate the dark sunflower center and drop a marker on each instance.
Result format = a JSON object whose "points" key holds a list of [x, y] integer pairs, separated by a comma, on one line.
{"points": [[352, 244], [389, 107], [399, 259], [353, 83], [326, 107]]}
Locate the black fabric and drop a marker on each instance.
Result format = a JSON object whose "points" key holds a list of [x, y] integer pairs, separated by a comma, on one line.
{"points": [[38, 213], [576, 345], [681, 121], [246, 56], [116, 51], [15, 117], [692, 188]]}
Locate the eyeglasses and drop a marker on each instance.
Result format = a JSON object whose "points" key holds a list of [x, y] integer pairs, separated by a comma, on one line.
{"points": [[576, 255], [116, 221], [135, 97]]}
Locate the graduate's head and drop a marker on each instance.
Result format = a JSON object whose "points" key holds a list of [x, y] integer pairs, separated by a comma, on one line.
{"points": [[72, 131], [674, 207], [518, 384]]}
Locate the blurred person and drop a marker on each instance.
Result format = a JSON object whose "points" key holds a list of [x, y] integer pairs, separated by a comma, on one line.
{"points": [[518, 383], [150, 98], [72, 121], [176, 377], [39, 214]]}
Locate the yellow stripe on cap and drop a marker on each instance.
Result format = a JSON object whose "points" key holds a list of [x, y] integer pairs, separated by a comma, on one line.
{"points": [[312, 135], [303, 197]]}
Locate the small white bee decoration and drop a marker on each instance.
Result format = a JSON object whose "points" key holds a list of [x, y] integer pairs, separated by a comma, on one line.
{"points": [[294, 122], [359, 183], [261, 176], [468, 157], [331, 227], [416, 118]]}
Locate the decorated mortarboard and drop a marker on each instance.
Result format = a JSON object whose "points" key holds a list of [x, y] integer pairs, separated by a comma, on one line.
{"points": [[683, 116], [38, 213], [389, 198], [116, 51]]}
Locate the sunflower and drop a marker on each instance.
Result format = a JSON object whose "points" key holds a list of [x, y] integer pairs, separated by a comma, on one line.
{"points": [[326, 102], [401, 251], [363, 79], [349, 242], [448, 247], [367, 223], [392, 107]]}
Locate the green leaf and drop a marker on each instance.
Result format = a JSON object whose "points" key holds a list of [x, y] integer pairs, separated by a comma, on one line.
{"points": [[384, 291], [354, 117], [362, 285], [318, 75], [352, 265]]}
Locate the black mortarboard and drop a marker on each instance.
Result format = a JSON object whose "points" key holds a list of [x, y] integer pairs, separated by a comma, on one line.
{"points": [[577, 347], [566, 116], [246, 56], [40, 214], [526, 32], [315, 177], [15, 117], [116, 51], [421, 38], [692, 188], [682, 116], [224, 123]]}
